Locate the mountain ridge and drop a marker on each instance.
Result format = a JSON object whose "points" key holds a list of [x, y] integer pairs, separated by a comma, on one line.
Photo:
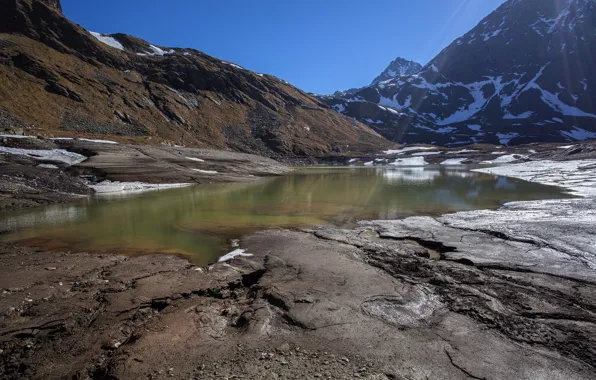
{"points": [[59, 78], [521, 75]]}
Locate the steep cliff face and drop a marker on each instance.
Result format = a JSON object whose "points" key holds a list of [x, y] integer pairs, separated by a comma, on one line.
{"points": [[524, 73], [58, 78]]}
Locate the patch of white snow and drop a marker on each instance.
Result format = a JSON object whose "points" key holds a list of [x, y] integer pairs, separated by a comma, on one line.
{"points": [[107, 187], [110, 41], [59, 155], [454, 161], [409, 161], [235, 253], [205, 171]]}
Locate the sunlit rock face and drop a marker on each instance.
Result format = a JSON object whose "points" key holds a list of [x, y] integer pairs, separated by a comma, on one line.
{"points": [[524, 73], [116, 85]]}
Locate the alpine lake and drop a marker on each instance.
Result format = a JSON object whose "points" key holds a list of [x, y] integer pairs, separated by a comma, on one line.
{"points": [[201, 222]]}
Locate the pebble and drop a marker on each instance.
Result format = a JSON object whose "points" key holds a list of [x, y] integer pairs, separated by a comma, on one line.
{"points": [[51, 268], [345, 360], [283, 348]]}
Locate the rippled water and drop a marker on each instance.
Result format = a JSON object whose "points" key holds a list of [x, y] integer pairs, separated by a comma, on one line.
{"points": [[200, 221]]}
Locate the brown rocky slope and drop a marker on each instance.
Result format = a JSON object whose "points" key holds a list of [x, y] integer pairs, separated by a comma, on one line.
{"points": [[57, 79]]}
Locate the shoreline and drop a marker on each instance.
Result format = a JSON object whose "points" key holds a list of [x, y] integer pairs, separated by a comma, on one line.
{"points": [[497, 294], [46, 171]]}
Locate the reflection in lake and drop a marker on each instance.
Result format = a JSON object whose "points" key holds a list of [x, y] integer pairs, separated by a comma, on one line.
{"points": [[199, 221]]}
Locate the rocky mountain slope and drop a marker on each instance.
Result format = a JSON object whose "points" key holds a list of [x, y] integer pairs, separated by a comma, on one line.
{"points": [[58, 79], [524, 73]]}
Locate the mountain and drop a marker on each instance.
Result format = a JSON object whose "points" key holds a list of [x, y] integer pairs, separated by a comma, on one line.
{"points": [[399, 67], [57, 79], [525, 73], [396, 68]]}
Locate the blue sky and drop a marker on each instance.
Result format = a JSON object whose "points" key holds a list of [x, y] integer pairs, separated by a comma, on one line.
{"points": [[317, 45]]}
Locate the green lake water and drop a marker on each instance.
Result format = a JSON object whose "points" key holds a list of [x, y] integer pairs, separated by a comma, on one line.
{"points": [[199, 222]]}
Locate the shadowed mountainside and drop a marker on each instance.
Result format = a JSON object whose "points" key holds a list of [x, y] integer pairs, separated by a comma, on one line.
{"points": [[523, 74]]}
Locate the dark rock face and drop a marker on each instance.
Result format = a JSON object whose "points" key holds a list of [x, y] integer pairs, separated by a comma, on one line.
{"points": [[120, 85], [55, 4], [524, 74]]}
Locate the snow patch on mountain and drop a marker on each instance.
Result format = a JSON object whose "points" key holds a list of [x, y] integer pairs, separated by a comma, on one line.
{"points": [[504, 138], [158, 51], [108, 40], [523, 115], [579, 134], [339, 107]]}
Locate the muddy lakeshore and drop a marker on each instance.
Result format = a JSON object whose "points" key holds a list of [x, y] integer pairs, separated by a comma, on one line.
{"points": [[502, 294], [36, 171]]}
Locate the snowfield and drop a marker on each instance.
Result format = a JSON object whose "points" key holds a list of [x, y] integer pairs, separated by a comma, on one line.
{"points": [[407, 149], [504, 159], [454, 161], [110, 41], [107, 187], [59, 155], [409, 161], [577, 176]]}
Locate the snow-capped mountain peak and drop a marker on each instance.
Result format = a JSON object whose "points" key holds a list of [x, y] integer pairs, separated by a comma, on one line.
{"points": [[398, 67]]}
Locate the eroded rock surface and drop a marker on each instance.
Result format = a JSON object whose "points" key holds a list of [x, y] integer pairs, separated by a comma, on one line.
{"points": [[333, 303], [504, 294]]}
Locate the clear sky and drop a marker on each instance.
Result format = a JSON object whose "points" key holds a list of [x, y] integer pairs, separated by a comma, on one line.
{"points": [[317, 45]]}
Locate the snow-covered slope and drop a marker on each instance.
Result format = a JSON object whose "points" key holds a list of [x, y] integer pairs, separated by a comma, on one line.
{"points": [[524, 73]]}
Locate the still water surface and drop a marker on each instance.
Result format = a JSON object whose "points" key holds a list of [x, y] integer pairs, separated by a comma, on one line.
{"points": [[199, 222]]}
